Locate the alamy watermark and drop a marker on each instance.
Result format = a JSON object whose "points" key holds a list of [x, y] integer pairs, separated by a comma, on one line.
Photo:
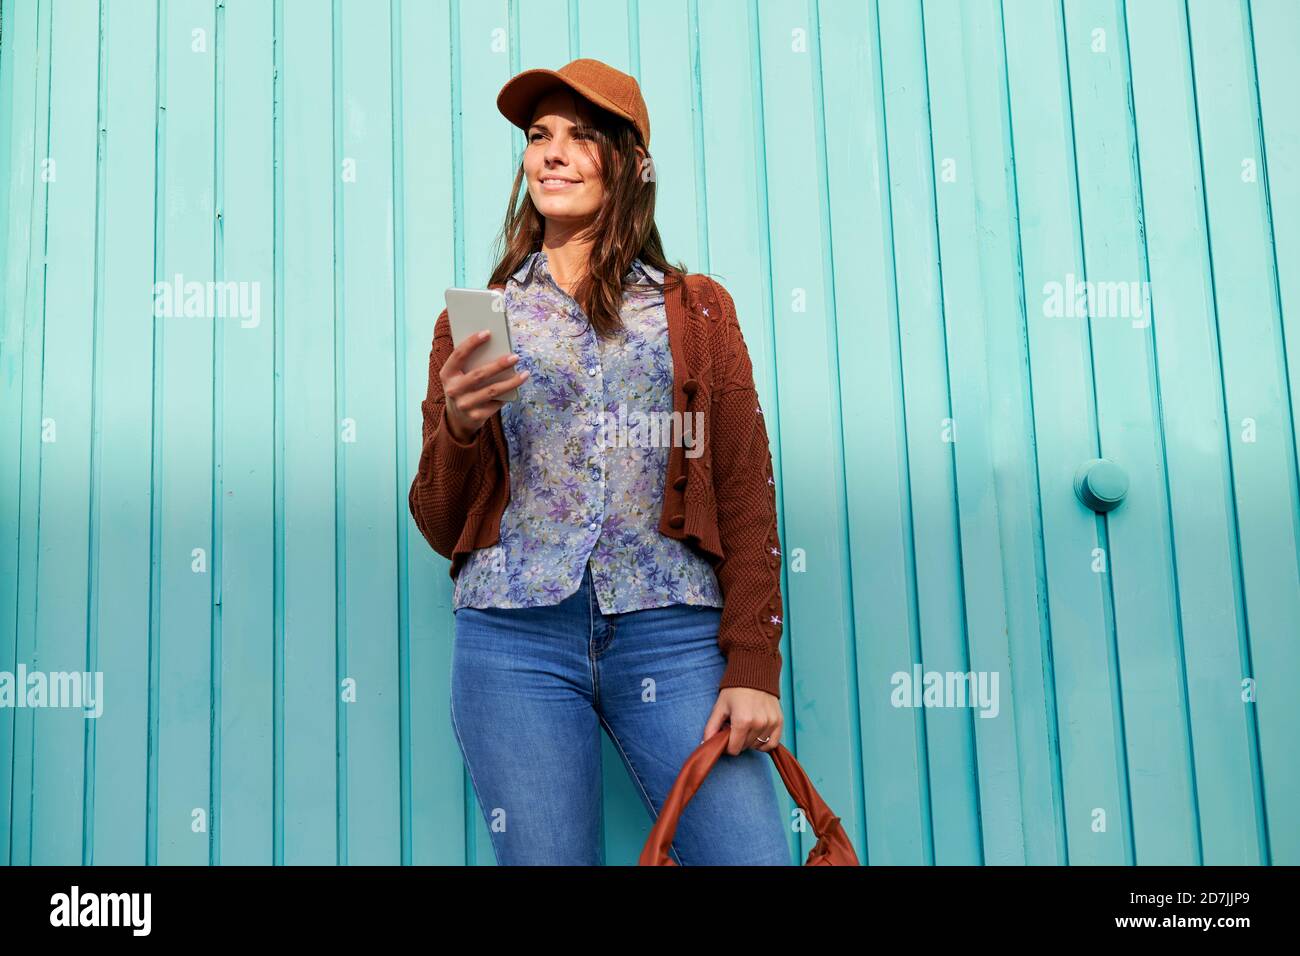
{"points": [[83, 689], [77, 908], [946, 689], [227, 299], [623, 429], [1080, 298]]}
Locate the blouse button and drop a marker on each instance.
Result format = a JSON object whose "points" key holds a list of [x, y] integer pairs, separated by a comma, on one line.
{"points": [[676, 521]]}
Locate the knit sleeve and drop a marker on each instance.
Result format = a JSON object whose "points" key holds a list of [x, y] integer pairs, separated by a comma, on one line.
{"points": [[750, 571], [449, 471]]}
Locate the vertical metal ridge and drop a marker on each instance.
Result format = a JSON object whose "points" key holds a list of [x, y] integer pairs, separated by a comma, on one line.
{"points": [[217, 551], [401, 457], [1099, 521], [905, 486], [30, 795], [1258, 101], [1288, 402], [825, 219], [96, 446], [697, 130], [1040, 556], [156, 436], [278, 437], [1158, 434], [1239, 576], [941, 302], [340, 465]]}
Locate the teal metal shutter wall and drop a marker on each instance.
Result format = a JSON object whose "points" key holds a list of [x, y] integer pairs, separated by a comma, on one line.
{"points": [[211, 511]]}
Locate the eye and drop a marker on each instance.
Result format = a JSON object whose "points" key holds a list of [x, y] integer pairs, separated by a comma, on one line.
{"points": [[532, 137]]}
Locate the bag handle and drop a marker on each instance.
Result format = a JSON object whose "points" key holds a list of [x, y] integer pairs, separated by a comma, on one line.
{"points": [[833, 846]]}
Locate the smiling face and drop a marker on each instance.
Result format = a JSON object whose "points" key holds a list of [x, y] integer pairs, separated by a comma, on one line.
{"points": [[562, 163]]}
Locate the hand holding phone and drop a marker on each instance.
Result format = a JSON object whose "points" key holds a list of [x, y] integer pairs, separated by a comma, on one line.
{"points": [[477, 380]]}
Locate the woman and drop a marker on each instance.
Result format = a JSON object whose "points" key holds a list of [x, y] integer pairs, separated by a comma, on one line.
{"points": [[603, 579]]}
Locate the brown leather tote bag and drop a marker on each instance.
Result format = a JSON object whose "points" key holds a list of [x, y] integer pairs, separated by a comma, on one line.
{"points": [[833, 847]]}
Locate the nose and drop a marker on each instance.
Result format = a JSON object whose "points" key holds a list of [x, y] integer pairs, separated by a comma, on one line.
{"points": [[555, 155]]}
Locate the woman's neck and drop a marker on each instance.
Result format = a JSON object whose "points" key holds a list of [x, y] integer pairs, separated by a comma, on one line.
{"points": [[566, 261]]}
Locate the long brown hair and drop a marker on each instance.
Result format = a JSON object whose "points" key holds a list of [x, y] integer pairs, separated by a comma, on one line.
{"points": [[624, 228]]}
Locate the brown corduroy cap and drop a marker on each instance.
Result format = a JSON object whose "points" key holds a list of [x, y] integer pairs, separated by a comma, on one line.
{"points": [[598, 82]]}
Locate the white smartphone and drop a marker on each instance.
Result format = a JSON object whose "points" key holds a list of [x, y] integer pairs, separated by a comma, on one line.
{"points": [[472, 310]]}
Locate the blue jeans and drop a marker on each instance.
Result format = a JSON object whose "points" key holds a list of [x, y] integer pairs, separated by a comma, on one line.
{"points": [[530, 690]]}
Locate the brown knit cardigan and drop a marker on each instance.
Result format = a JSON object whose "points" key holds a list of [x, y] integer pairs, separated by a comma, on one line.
{"points": [[721, 503]]}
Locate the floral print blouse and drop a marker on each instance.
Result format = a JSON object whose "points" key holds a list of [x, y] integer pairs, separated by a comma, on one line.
{"points": [[586, 463]]}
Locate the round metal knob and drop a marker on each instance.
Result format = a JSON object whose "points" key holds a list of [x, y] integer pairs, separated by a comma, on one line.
{"points": [[1100, 484]]}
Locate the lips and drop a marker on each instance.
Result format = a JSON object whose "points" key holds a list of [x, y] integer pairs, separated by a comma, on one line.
{"points": [[556, 182]]}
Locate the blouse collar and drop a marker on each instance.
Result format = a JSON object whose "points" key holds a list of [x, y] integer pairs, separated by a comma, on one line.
{"points": [[639, 273]]}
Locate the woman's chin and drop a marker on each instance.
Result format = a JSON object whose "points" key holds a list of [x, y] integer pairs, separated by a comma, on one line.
{"points": [[553, 208]]}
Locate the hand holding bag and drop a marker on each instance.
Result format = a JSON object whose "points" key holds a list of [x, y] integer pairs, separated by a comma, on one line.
{"points": [[833, 847]]}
